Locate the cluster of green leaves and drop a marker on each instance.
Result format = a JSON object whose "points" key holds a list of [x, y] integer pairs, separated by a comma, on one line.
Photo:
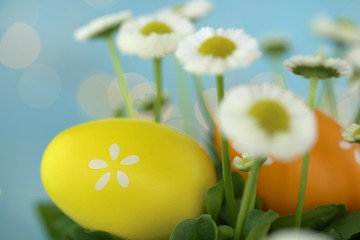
{"points": [[331, 219], [60, 227]]}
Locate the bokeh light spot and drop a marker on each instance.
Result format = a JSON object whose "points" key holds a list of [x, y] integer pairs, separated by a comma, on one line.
{"points": [[267, 77], [92, 96], [19, 46]]}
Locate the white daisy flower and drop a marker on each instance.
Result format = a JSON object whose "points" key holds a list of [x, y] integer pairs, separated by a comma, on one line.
{"points": [[341, 30], [213, 51], [275, 45], [194, 9], [102, 26], [153, 36], [353, 56], [352, 133], [295, 234], [317, 67], [267, 120], [244, 162]]}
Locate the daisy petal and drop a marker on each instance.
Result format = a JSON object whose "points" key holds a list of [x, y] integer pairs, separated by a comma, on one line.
{"points": [[97, 164], [130, 160], [114, 151], [101, 183], [122, 178]]}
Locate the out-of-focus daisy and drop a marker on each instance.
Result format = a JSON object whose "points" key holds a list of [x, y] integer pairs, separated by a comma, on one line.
{"points": [[317, 67], [352, 133], [194, 9], [342, 31], [275, 46], [152, 37], [353, 56], [244, 162], [102, 26], [213, 51], [296, 234], [267, 120]]}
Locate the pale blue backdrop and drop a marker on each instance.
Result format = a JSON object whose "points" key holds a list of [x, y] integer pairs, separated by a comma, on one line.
{"points": [[39, 94]]}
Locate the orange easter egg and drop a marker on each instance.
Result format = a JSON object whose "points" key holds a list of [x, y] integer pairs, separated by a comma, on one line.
{"points": [[333, 177]]}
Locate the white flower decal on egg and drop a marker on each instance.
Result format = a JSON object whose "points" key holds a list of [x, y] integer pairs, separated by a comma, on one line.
{"points": [[344, 145], [122, 177]]}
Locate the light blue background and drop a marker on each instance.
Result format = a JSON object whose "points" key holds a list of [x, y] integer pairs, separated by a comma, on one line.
{"points": [[25, 131]]}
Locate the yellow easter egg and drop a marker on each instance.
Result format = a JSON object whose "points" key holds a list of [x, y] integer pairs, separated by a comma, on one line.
{"points": [[134, 179]]}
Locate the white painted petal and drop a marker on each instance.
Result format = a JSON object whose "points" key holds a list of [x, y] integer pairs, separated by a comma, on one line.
{"points": [[344, 145], [114, 151], [130, 160], [269, 161], [122, 178], [357, 156], [97, 164], [101, 183]]}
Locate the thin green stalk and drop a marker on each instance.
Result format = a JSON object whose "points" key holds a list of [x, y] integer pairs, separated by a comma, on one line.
{"points": [[277, 68], [312, 93], [328, 96], [159, 95], [184, 99], [357, 117], [247, 198], [305, 162], [199, 88], [329, 86], [253, 194], [225, 156], [119, 74]]}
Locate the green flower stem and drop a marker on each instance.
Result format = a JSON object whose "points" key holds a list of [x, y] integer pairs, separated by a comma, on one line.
{"points": [[357, 117], [247, 198], [119, 74], [199, 88], [253, 194], [277, 67], [159, 95], [183, 95], [312, 93], [225, 156], [328, 96], [305, 162]]}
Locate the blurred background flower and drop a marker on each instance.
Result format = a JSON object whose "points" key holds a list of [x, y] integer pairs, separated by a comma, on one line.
{"points": [[49, 81]]}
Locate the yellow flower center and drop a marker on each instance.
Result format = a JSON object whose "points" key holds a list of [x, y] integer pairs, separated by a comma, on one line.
{"points": [[217, 46], [346, 24], [271, 116], [156, 27]]}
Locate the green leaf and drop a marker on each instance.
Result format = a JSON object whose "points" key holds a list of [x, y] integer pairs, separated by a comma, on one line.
{"points": [[258, 224], [345, 227], [238, 184], [225, 232], [238, 188], [61, 227], [202, 228], [214, 199], [317, 218], [55, 222], [79, 233]]}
